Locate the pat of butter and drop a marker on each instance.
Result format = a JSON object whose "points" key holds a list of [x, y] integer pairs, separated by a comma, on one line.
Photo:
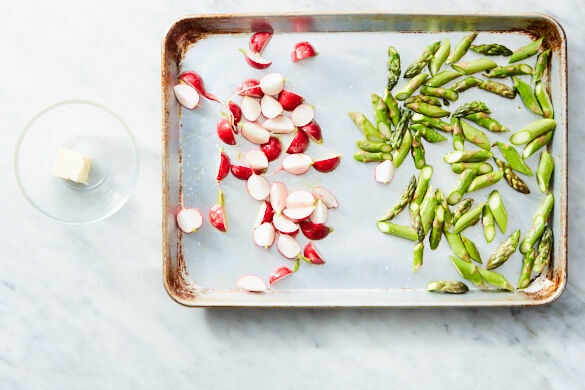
{"points": [[72, 165]]}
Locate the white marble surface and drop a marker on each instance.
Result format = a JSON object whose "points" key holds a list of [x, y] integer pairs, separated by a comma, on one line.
{"points": [[76, 312]]}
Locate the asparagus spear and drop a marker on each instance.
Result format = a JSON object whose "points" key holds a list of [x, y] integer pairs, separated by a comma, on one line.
{"points": [[504, 251], [527, 95], [447, 286], [467, 156], [371, 157], [417, 66], [439, 92], [471, 249], [544, 172], [424, 177], [486, 180], [393, 67], [418, 256], [497, 207], [448, 216], [397, 230], [532, 131], [428, 109], [371, 133], [475, 136], [381, 115], [468, 219], [527, 265], [369, 146], [437, 232], [427, 209], [400, 154], [442, 78], [540, 67], [537, 143], [457, 246], [492, 50], [471, 108], [434, 101], [501, 72], [417, 225], [468, 271], [428, 134], [406, 197], [462, 208], [474, 66], [401, 128], [458, 137], [487, 122], [411, 86], [393, 110], [526, 51], [461, 48], [538, 224], [418, 151], [465, 84], [498, 88], [479, 168], [489, 224], [513, 157], [544, 251], [543, 100], [439, 57], [461, 186], [495, 279], [512, 178], [432, 122]]}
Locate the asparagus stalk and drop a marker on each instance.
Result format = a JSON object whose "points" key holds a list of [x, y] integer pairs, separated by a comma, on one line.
{"points": [[418, 256], [437, 232], [489, 224], [428, 109], [540, 67], [501, 72], [400, 154], [427, 209], [468, 219], [497, 207], [468, 271], [532, 131], [417, 225], [495, 279], [401, 128], [428, 134], [393, 67], [418, 151], [537, 143], [440, 56], [434, 101], [487, 122], [498, 88], [527, 266], [475, 136], [538, 224], [432, 122], [461, 48], [448, 216], [463, 207], [461, 186], [474, 66], [371, 157], [465, 84], [471, 108], [447, 286], [442, 78], [504, 251], [439, 92], [457, 246], [479, 168], [417, 66], [526, 51], [394, 229], [424, 177], [543, 100], [366, 127], [393, 110], [383, 122], [527, 95], [458, 137], [411, 86], [369, 146], [544, 251], [467, 156], [405, 197], [544, 172], [513, 158], [471, 249], [512, 178], [492, 50]]}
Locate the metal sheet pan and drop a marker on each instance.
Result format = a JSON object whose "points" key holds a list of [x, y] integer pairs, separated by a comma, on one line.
{"points": [[365, 268]]}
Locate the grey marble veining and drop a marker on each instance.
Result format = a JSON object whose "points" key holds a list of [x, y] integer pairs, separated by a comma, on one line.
{"points": [[84, 307]]}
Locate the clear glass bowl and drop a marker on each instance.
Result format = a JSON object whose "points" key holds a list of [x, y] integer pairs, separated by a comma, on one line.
{"points": [[91, 129]]}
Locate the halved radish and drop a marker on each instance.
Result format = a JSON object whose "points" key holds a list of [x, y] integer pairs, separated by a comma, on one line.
{"points": [[251, 283], [327, 164], [257, 160], [384, 172], [320, 214], [189, 220], [278, 274], [241, 172], [297, 164], [321, 193], [236, 112], [223, 166], [288, 246], [289, 100], [299, 143], [186, 95], [264, 235], [298, 199], [278, 194], [313, 130], [302, 50], [258, 41], [264, 214], [225, 131], [303, 115], [279, 125], [313, 254], [298, 214], [255, 60], [250, 108], [272, 84], [271, 108], [284, 225], [217, 213], [258, 187], [314, 231], [194, 80], [250, 87], [255, 133], [272, 148]]}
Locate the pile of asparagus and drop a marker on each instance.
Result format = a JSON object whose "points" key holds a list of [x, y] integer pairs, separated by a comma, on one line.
{"points": [[400, 130]]}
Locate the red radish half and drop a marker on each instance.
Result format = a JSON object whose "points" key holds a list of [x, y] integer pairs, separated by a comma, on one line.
{"points": [[251, 283], [186, 95], [189, 220], [223, 166], [288, 246], [257, 160], [299, 143], [278, 274], [255, 61], [241, 172], [272, 148], [314, 231], [236, 112], [264, 235], [303, 115], [298, 199], [313, 254], [272, 84], [320, 214], [302, 50], [250, 87], [327, 164], [313, 130], [258, 41], [255, 133], [279, 125], [193, 79], [289, 100], [278, 194], [284, 225], [217, 213], [271, 108], [250, 108], [384, 172], [297, 164], [264, 214], [225, 132], [321, 193], [298, 214], [258, 187]]}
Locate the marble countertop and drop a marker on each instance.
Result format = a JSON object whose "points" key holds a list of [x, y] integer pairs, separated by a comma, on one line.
{"points": [[75, 313]]}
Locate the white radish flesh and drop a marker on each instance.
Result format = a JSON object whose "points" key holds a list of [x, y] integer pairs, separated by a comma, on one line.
{"points": [[186, 95], [321, 193], [298, 214], [258, 187], [264, 235], [256, 159], [264, 214], [284, 225], [250, 108], [272, 84], [255, 133], [384, 172], [271, 108], [278, 194], [297, 164], [279, 125], [302, 115], [251, 283], [298, 199], [189, 220], [320, 214], [288, 246]]}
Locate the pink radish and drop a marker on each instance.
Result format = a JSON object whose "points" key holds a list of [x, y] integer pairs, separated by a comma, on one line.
{"points": [[327, 164], [189, 220], [321, 193], [225, 132], [255, 133], [278, 274], [194, 80], [271, 108], [384, 172], [302, 50], [272, 148], [298, 214], [223, 166], [258, 41], [255, 61], [278, 195], [288, 246], [298, 199], [297, 164], [272, 84], [314, 231], [217, 214], [186, 95], [284, 225], [279, 125], [320, 214], [251, 283], [264, 235], [257, 160], [299, 143], [289, 100], [250, 108], [303, 115], [241, 172], [236, 112], [258, 187], [313, 254], [250, 87], [313, 130], [264, 214]]}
